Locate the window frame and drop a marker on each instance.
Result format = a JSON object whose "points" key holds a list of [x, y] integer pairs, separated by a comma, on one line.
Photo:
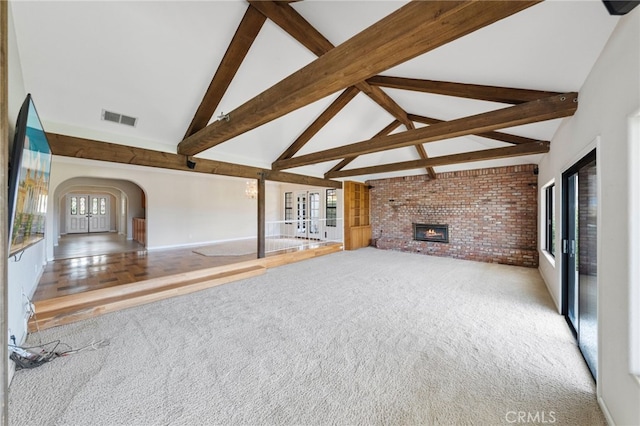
{"points": [[331, 206], [288, 208], [549, 219]]}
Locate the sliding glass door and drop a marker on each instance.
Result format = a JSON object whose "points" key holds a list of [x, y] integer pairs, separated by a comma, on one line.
{"points": [[579, 247]]}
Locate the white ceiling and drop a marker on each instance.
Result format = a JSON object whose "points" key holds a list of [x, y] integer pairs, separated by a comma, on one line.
{"points": [[155, 59]]}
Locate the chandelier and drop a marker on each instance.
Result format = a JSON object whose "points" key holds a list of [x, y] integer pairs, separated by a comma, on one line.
{"points": [[251, 189]]}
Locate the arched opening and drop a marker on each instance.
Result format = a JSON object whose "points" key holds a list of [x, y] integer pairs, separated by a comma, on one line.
{"points": [[94, 216]]}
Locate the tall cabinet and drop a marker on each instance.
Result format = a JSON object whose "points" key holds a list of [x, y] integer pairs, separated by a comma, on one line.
{"points": [[357, 225]]}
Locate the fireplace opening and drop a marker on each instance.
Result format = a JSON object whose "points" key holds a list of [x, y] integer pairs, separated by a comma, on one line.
{"points": [[431, 232]]}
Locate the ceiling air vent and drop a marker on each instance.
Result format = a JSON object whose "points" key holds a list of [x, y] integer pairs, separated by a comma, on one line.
{"points": [[119, 118]]}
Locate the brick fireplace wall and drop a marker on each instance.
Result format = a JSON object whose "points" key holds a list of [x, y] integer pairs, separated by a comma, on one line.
{"points": [[491, 213]]}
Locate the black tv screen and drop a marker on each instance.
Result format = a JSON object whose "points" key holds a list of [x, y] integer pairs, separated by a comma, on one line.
{"points": [[28, 180]]}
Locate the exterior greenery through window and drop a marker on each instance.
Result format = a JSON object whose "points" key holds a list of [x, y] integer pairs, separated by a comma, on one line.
{"points": [[288, 207], [550, 222], [332, 207]]}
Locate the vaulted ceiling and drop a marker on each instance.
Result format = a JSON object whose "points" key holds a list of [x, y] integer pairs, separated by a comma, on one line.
{"points": [[336, 89]]}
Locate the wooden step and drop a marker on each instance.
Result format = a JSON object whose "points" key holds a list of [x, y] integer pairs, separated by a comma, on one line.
{"points": [[89, 304], [72, 308]]}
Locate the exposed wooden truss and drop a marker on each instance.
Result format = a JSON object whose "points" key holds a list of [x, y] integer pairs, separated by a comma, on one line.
{"points": [[335, 107], [388, 129], [498, 136], [465, 157], [505, 95], [352, 67], [242, 40], [69, 146], [301, 30], [391, 41], [531, 112]]}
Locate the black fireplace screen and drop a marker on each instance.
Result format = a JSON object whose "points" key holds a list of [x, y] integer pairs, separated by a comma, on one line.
{"points": [[430, 232]]}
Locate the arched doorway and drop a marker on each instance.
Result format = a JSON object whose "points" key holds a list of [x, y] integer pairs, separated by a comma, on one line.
{"points": [[94, 216]]}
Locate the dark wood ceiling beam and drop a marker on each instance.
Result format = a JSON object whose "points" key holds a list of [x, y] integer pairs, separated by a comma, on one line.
{"points": [[498, 136], [242, 40], [388, 129], [413, 29], [335, 107], [381, 98], [422, 153], [301, 30], [69, 146], [295, 25], [462, 90], [531, 112], [465, 157], [423, 156]]}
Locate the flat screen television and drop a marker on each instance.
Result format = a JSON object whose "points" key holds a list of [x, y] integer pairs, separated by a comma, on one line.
{"points": [[28, 180]]}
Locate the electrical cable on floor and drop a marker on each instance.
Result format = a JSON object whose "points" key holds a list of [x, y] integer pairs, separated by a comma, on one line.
{"points": [[34, 356]]}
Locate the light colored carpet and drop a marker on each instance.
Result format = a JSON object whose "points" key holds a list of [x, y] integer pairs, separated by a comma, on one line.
{"points": [[354, 338], [249, 246]]}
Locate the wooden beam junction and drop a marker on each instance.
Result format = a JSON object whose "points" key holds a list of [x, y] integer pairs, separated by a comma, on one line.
{"points": [[414, 29]]}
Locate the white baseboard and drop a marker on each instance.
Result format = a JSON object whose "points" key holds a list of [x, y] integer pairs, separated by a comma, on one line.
{"points": [[605, 411], [200, 244], [553, 297]]}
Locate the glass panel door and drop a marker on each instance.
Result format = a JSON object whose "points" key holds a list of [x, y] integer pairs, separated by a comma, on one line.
{"points": [[580, 211], [301, 214], [314, 214]]}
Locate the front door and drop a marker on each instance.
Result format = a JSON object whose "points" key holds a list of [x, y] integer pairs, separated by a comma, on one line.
{"points": [[88, 213], [579, 251]]}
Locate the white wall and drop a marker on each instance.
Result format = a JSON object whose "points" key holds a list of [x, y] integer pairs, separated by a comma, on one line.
{"points": [[610, 95], [17, 91], [25, 270], [183, 208]]}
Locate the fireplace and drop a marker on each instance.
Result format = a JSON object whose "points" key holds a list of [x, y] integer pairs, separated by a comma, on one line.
{"points": [[431, 232]]}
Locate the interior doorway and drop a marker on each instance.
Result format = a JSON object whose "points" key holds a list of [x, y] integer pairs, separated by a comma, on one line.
{"points": [[95, 216], [87, 213], [580, 257]]}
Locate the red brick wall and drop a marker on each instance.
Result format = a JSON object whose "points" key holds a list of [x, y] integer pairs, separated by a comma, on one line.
{"points": [[491, 213]]}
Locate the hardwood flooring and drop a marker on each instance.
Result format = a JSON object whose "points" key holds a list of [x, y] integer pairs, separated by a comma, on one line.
{"points": [[80, 274], [98, 267], [83, 245], [88, 304]]}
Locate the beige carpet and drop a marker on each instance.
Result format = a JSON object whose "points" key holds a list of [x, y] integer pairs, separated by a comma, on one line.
{"points": [[354, 338]]}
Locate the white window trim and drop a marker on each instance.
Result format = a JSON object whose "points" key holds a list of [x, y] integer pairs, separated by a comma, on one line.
{"points": [[634, 244], [543, 221]]}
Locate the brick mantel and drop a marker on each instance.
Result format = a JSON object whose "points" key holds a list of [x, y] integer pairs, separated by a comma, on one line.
{"points": [[491, 213]]}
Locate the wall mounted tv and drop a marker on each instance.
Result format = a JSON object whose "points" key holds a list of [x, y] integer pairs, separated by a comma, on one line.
{"points": [[28, 180]]}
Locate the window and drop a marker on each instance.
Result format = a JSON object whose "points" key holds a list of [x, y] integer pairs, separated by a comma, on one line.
{"points": [[550, 222], [332, 208], [94, 206], [83, 205], [288, 207]]}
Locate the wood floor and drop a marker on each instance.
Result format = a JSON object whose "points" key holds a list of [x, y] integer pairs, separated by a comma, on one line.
{"points": [[83, 245], [88, 262], [84, 287]]}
